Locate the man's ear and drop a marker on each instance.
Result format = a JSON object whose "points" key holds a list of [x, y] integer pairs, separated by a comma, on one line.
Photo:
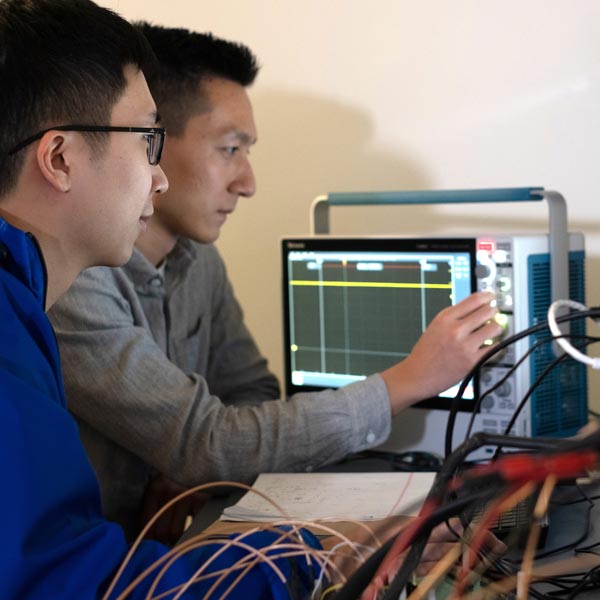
{"points": [[53, 159]]}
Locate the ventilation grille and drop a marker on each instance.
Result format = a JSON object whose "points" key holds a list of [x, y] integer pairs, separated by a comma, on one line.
{"points": [[559, 402]]}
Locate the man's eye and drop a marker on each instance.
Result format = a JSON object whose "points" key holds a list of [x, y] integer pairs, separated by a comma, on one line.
{"points": [[230, 150]]}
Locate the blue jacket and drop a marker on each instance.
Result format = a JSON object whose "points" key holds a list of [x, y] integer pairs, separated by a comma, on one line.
{"points": [[55, 542]]}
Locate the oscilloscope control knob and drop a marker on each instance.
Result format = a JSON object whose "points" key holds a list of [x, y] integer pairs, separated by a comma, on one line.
{"points": [[494, 271], [485, 270], [482, 271], [487, 403], [504, 390]]}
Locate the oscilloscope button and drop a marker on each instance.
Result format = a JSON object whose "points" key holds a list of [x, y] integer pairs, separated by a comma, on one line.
{"points": [[500, 256], [504, 390], [487, 403], [486, 377], [482, 271]]}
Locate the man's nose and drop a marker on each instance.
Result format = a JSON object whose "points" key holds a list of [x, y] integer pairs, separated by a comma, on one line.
{"points": [[245, 183]]}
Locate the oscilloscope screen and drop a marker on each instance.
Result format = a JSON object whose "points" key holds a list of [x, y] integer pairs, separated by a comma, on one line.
{"points": [[354, 312]]}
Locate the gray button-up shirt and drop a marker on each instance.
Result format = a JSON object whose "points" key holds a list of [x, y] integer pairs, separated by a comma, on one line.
{"points": [[164, 377]]}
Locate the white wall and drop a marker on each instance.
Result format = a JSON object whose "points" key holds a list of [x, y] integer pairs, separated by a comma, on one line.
{"points": [[399, 94]]}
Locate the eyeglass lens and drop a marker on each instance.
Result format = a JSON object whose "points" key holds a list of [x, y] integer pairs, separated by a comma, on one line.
{"points": [[155, 145]]}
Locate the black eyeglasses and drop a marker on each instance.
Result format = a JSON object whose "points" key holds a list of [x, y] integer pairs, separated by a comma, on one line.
{"points": [[155, 137]]}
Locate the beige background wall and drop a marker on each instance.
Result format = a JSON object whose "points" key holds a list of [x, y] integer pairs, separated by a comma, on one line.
{"points": [[399, 94]]}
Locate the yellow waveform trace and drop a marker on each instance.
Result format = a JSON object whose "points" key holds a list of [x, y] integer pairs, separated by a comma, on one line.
{"points": [[374, 284]]}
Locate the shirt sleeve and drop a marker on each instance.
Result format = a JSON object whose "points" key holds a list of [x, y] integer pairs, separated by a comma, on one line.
{"points": [[120, 383]]}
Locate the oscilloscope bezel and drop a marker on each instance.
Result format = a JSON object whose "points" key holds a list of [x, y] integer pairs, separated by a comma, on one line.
{"points": [[427, 245]]}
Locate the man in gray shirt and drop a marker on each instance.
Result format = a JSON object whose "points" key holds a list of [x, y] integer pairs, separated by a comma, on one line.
{"points": [[159, 367]]}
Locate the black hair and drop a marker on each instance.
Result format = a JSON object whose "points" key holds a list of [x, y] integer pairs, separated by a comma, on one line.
{"points": [[61, 62], [185, 59]]}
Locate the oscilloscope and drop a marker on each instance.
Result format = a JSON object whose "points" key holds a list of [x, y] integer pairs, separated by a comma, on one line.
{"points": [[358, 306], [355, 306]]}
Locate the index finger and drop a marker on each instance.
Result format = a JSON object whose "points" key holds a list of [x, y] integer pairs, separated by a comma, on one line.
{"points": [[471, 303]]}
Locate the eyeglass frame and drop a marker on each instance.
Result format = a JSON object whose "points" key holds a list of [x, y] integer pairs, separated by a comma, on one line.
{"points": [[156, 133]]}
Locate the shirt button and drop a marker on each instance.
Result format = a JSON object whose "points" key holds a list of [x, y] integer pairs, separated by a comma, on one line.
{"points": [[156, 281], [370, 437]]}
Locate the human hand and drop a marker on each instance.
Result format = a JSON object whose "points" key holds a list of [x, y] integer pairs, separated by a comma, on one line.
{"points": [[445, 352], [170, 526], [441, 541], [365, 538], [444, 538]]}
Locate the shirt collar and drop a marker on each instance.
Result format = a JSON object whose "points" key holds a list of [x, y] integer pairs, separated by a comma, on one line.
{"points": [[143, 273], [22, 257]]}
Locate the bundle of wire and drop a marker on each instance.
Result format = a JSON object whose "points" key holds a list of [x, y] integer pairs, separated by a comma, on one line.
{"points": [[385, 571], [497, 486], [555, 335], [280, 560]]}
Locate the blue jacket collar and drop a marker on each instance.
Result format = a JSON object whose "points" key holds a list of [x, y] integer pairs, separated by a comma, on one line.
{"points": [[22, 257]]}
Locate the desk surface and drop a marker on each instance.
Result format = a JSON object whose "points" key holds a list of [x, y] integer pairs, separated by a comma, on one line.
{"points": [[567, 523], [350, 530]]}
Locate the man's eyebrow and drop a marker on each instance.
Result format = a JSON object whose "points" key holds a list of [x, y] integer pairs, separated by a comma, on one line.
{"points": [[153, 117], [244, 137]]}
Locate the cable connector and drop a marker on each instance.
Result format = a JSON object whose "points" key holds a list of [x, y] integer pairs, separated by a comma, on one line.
{"points": [[560, 339], [592, 476], [522, 468]]}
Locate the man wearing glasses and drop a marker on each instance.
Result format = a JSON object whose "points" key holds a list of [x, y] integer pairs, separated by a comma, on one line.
{"points": [[159, 346], [79, 153]]}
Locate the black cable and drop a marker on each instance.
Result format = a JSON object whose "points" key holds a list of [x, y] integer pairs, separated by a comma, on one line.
{"points": [[503, 379], [513, 369], [573, 544], [411, 562], [453, 531], [359, 580], [407, 461], [537, 595], [591, 505], [534, 386], [528, 395], [576, 501], [583, 583], [593, 312], [465, 382], [445, 474], [585, 496], [481, 438], [549, 445], [364, 574]]}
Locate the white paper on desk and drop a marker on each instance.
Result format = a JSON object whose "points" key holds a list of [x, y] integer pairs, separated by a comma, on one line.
{"points": [[333, 496]]}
